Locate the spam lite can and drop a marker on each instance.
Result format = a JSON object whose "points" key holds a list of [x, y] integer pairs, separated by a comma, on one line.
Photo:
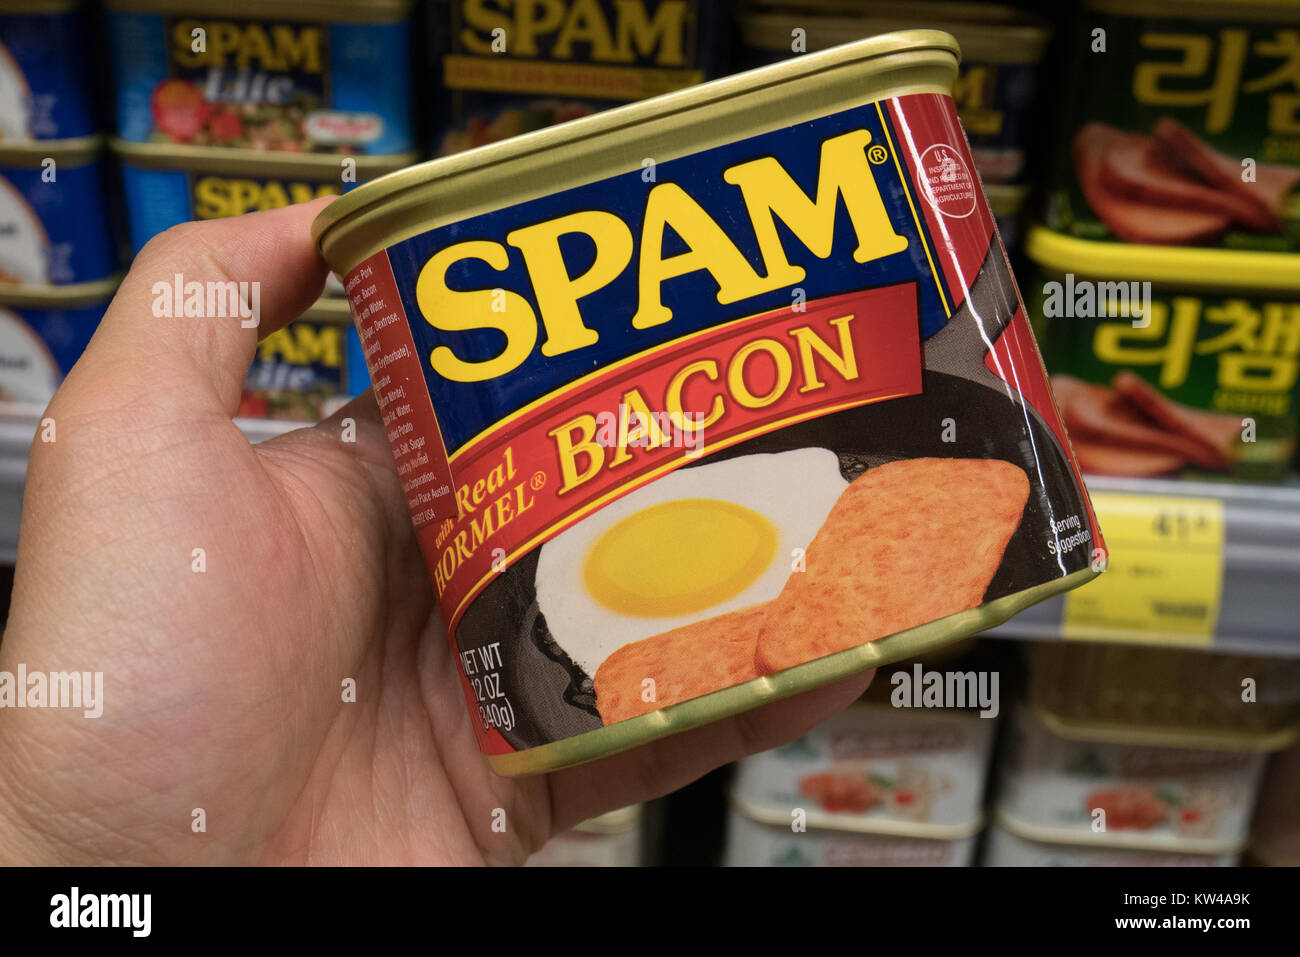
{"points": [[710, 399]]}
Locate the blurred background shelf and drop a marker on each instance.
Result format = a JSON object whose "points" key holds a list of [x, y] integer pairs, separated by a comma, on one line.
{"points": [[1261, 567]]}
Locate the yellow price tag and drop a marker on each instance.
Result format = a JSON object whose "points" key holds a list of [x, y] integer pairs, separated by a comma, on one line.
{"points": [[1164, 572]]}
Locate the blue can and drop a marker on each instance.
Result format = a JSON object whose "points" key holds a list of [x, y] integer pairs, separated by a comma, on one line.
{"points": [[308, 369], [326, 77], [42, 334], [167, 185], [55, 223], [45, 81]]}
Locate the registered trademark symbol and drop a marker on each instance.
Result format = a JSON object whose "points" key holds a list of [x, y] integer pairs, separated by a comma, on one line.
{"points": [[877, 154], [538, 480]]}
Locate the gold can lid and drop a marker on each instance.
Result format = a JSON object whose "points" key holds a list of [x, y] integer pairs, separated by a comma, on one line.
{"points": [[345, 11], [265, 163], [72, 296], [32, 154]]}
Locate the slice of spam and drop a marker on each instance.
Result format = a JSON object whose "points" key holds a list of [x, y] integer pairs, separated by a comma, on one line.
{"points": [[1213, 430], [906, 543], [683, 663], [1098, 458]]}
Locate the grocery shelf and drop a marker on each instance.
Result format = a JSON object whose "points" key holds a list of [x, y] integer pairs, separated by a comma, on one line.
{"points": [[1261, 551], [1261, 566], [18, 425]]}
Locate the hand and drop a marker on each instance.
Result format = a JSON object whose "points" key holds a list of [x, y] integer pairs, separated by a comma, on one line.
{"points": [[223, 687]]}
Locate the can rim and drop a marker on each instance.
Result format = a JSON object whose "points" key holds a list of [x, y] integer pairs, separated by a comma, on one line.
{"points": [[221, 159], [386, 191], [618, 821], [1159, 736], [1052, 835], [329, 308], [38, 6], [77, 151], [71, 296], [1236, 269], [1006, 199], [1002, 35], [824, 821], [642, 729], [350, 11]]}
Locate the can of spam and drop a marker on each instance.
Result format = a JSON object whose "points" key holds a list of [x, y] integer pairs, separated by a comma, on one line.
{"points": [[1111, 788], [753, 843], [1005, 846], [1170, 361], [45, 86], [166, 185], [55, 225], [43, 333], [506, 69], [308, 369], [710, 399], [1182, 125], [330, 77], [1163, 696], [1001, 48]]}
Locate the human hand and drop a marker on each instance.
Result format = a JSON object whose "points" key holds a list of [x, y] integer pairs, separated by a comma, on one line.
{"points": [[222, 687]]}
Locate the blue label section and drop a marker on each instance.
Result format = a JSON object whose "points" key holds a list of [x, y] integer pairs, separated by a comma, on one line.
{"points": [[1008, 95], [357, 377], [65, 332], [50, 97], [155, 200], [56, 231], [691, 297], [39, 346], [296, 85]]}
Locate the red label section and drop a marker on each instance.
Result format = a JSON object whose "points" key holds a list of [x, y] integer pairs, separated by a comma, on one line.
{"points": [[398, 381], [572, 452]]}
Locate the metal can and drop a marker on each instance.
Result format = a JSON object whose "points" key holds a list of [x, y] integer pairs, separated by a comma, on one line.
{"points": [[55, 227], [334, 77], [1164, 696], [45, 85], [1170, 361], [308, 369], [1001, 48], [875, 769], [167, 185], [611, 840], [609, 578], [42, 333], [1112, 792], [1004, 847], [1183, 127], [509, 69], [1007, 203], [752, 843], [1275, 831]]}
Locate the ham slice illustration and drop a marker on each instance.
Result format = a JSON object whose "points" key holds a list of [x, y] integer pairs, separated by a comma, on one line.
{"points": [[1268, 191], [1131, 220], [1221, 433], [1098, 459]]}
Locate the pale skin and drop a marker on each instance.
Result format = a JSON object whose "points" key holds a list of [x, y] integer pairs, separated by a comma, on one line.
{"points": [[223, 688]]}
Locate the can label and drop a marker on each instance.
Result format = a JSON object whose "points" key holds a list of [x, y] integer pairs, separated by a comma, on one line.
{"points": [[157, 199], [666, 432], [302, 85], [304, 371], [875, 768], [508, 71], [39, 346], [54, 224], [44, 77], [1205, 383], [1117, 794], [1189, 135], [751, 844]]}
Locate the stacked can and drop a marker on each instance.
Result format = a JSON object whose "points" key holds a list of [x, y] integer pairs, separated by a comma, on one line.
{"points": [[1139, 756], [996, 87], [1166, 303], [505, 71], [227, 108], [883, 783], [59, 256], [611, 840]]}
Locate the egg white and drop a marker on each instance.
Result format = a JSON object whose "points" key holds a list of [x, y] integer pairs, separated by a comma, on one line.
{"points": [[795, 490]]}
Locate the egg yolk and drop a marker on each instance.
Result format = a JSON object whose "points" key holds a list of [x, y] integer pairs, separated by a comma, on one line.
{"points": [[679, 557]]}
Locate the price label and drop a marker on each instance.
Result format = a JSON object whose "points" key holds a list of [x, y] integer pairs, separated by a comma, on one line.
{"points": [[1164, 572]]}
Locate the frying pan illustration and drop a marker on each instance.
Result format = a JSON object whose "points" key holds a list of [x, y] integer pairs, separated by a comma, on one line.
{"points": [[554, 698]]}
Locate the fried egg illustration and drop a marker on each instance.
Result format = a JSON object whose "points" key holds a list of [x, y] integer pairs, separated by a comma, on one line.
{"points": [[15, 99], [28, 372], [696, 543], [24, 244]]}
